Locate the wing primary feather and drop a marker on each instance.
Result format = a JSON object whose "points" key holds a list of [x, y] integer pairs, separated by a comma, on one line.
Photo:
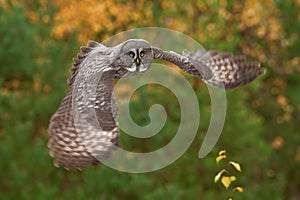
{"points": [[220, 69]]}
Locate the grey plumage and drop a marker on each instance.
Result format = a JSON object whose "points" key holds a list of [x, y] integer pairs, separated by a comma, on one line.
{"points": [[96, 66], [220, 69]]}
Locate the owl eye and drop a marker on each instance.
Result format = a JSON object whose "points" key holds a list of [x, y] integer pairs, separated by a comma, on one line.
{"points": [[131, 54], [142, 53]]}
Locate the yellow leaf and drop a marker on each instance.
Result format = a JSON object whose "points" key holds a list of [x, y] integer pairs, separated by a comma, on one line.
{"points": [[227, 180], [218, 176], [220, 157], [239, 189], [232, 178], [236, 166], [222, 152]]}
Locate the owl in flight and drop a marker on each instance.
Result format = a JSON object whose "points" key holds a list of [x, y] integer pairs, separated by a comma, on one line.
{"points": [[96, 66]]}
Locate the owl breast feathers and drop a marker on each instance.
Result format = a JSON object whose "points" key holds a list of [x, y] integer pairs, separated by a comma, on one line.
{"points": [[78, 140]]}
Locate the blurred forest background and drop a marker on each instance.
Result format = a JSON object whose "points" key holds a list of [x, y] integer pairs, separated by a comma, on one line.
{"points": [[39, 38]]}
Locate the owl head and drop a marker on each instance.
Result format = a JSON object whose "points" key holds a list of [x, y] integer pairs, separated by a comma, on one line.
{"points": [[136, 55]]}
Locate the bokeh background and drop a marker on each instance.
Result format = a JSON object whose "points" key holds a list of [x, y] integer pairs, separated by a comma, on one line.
{"points": [[39, 38]]}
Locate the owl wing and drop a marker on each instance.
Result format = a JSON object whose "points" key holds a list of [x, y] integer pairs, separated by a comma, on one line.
{"points": [[78, 143], [220, 69]]}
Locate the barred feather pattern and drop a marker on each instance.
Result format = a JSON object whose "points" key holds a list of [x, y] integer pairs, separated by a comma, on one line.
{"points": [[220, 69], [78, 139], [82, 144], [224, 70]]}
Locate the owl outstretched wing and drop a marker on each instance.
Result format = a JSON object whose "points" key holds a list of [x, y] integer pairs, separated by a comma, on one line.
{"points": [[78, 143], [84, 129], [220, 69]]}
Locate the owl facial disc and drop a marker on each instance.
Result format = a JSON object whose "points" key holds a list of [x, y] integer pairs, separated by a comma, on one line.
{"points": [[137, 56]]}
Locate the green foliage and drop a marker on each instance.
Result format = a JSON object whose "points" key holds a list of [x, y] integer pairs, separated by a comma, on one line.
{"points": [[261, 130], [15, 34]]}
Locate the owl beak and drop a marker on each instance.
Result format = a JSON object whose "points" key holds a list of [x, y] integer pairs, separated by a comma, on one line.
{"points": [[137, 61]]}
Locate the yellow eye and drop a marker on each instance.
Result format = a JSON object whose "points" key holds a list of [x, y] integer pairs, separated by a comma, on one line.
{"points": [[131, 54], [142, 54]]}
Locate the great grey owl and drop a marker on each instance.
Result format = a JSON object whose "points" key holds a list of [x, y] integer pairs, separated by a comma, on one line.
{"points": [[126, 59]]}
